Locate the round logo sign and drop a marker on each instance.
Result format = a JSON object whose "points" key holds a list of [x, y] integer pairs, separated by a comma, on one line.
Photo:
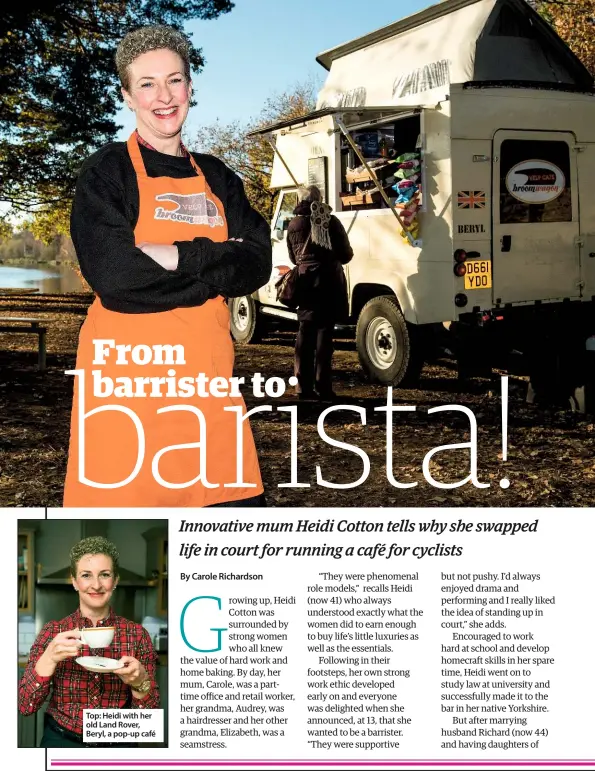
{"points": [[535, 181]]}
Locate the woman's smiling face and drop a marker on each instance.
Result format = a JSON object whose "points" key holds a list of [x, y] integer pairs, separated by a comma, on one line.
{"points": [[159, 93], [94, 581]]}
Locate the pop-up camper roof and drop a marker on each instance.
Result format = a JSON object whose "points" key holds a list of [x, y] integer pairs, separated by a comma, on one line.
{"points": [[413, 61]]}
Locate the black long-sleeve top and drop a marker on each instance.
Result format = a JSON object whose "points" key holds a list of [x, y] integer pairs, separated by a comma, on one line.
{"points": [[105, 212]]}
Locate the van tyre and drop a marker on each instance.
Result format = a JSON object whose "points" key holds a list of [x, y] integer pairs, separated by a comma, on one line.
{"points": [[246, 322], [388, 347]]}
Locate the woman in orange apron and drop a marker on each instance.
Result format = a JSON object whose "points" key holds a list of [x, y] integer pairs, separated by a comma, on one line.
{"points": [[162, 237]]}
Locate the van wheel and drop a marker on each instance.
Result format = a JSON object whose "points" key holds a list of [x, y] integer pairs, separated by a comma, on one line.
{"points": [[387, 345], [246, 323]]}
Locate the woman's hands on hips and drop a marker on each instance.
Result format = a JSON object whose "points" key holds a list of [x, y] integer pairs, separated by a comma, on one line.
{"points": [[65, 645], [132, 672], [162, 254]]}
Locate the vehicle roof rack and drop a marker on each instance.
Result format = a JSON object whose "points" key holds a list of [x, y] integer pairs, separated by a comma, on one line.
{"points": [[541, 85]]}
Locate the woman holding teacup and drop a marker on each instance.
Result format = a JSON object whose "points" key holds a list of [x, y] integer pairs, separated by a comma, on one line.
{"points": [[52, 666]]}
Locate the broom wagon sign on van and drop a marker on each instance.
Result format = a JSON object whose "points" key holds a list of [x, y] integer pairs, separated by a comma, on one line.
{"points": [[496, 118], [535, 181]]}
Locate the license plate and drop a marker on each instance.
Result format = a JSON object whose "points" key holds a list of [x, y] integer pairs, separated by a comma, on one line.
{"points": [[478, 275]]}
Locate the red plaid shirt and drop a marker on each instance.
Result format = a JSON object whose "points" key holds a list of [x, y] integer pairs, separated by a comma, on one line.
{"points": [[74, 688], [144, 143]]}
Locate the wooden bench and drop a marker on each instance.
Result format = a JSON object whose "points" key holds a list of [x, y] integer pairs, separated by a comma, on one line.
{"points": [[11, 292], [24, 326]]}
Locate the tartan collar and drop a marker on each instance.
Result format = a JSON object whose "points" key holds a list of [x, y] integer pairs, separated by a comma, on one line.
{"points": [[144, 143], [83, 621]]}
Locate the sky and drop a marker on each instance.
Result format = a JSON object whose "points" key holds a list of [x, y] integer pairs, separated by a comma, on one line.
{"points": [[263, 47]]}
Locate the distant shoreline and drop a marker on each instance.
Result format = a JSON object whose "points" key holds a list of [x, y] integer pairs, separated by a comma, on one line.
{"points": [[24, 262]]}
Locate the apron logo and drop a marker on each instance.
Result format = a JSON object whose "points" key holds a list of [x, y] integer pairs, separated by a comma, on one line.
{"points": [[195, 209]]}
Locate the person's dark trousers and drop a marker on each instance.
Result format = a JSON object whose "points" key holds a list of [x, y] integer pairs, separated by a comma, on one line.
{"points": [[56, 736], [313, 357], [256, 500]]}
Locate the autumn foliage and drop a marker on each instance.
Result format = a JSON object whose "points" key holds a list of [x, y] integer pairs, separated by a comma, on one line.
{"points": [[574, 21], [251, 157]]}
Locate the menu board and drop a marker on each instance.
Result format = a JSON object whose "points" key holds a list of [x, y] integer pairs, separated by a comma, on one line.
{"points": [[317, 175]]}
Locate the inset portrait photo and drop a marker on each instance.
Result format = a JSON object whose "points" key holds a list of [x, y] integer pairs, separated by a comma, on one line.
{"points": [[92, 632]]}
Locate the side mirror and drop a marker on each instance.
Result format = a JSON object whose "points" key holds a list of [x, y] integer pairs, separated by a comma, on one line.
{"points": [[279, 234]]}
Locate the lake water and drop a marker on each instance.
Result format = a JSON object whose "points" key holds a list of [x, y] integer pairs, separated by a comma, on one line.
{"points": [[48, 279]]}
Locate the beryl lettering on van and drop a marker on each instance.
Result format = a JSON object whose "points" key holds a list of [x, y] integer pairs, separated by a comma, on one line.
{"points": [[470, 229]]}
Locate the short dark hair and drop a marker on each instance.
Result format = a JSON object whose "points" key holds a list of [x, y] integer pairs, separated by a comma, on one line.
{"points": [[309, 194], [150, 38], [97, 544]]}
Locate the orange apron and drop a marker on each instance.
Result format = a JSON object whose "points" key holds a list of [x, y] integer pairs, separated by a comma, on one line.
{"points": [[111, 446]]}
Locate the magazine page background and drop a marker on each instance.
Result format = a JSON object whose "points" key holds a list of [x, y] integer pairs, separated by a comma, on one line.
{"points": [[548, 458]]}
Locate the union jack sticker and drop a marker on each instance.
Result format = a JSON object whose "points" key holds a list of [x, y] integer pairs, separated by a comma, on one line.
{"points": [[471, 199]]}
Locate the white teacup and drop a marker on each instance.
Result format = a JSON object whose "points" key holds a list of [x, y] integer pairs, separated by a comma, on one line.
{"points": [[97, 636]]}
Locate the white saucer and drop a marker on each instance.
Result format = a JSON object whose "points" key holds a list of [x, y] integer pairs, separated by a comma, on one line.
{"points": [[98, 663]]}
